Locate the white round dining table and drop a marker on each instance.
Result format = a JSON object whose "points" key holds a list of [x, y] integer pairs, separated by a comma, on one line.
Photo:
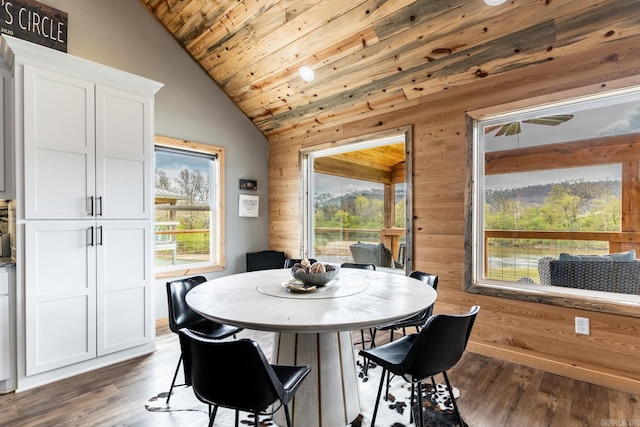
{"points": [[314, 328]]}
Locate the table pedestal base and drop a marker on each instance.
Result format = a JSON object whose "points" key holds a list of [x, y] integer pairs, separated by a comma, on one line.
{"points": [[329, 396]]}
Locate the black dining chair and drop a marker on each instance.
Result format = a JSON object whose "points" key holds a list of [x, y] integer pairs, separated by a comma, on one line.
{"points": [[265, 260], [358, 265], [434, 350], [372, 267], [182, 316], [416, 320], [237, 375], [290, 262]]}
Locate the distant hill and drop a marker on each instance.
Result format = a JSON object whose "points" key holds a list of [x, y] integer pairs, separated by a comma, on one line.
{"points": [[327, 199], [535, 195]]}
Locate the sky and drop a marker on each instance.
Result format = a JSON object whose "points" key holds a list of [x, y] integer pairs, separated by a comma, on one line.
{"points": [[340, 186], [172, 164], [525, 179]]}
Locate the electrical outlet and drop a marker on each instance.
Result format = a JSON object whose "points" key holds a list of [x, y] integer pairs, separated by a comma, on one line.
{"points": [[582, 325]]}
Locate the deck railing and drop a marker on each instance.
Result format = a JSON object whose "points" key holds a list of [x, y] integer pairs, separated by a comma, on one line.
{"points": [[186, 246], [513, 254], [332, 243]]}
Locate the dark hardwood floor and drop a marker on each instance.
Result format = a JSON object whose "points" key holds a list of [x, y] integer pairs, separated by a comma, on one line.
{"points": [[493, 393]]}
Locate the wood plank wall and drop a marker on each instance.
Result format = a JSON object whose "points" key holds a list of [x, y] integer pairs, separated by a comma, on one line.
{"points": [[533, 334]]}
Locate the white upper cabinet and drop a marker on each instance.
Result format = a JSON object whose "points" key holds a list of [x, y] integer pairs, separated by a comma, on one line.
{"points": [[124, 156], [87, 151], [59, 145]]}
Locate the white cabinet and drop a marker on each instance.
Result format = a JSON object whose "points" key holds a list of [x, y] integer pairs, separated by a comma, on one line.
{"points": [[90, 295], [83, 137], [5, 327], [6, 148], [86, 149]]}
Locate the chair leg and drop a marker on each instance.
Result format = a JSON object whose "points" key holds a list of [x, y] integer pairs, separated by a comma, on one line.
{"points": [[420, 403], [386, 391], [286, 414], [173, 381], [237, 418], [375, 409], [212, 416], [256, 420], [413, 396], [373, 338], [453, 399]]}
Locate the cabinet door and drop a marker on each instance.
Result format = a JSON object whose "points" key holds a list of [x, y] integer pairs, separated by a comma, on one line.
{"points": [[124, 150], [60, 294], [125, 278], [59, 145], [5, 325], [5, 137]]}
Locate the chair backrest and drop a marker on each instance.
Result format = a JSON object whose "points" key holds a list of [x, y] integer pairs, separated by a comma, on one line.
{"points": [[233, 374], [180, 314], [290, 262], [357, 265], [429, 279], [368, 253], [440, 344], [265, 260]]}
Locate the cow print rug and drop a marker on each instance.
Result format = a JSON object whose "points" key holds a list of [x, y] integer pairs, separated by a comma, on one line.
{"points": [[394, 412], [185, 409]]}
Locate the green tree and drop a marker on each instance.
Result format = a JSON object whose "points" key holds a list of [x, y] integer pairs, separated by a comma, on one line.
{"points": [[343, 218], [504, 214], [604, 214], [400, 213], [562, 208]]}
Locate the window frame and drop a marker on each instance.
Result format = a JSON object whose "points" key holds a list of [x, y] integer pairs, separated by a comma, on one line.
{"points": [[472, 283], [306, 159], [217, 262]]}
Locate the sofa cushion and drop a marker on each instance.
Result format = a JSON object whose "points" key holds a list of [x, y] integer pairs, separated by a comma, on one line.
{"points": [[620, 277], [620, 256]]}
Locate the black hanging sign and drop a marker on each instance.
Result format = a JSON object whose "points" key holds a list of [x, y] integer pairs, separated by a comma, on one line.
{"points": [[35, 22]]}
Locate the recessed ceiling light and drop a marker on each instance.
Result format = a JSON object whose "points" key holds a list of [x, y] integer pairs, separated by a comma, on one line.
{"points": [[306, 73], [494, 2]]}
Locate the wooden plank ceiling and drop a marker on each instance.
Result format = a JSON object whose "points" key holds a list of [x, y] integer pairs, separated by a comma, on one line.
{"points": [[373, 56]]}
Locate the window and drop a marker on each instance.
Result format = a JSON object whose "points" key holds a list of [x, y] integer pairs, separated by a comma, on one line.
{"points": [[552, 179], [357, 192], [188, 214]]}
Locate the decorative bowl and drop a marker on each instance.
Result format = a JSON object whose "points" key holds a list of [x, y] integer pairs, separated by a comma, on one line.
{"points": [[316, 279]]}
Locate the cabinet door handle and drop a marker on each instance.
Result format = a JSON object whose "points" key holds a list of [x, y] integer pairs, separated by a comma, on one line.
{"points": [[91, 203], [100, 242], [99, 211], [91, 242]]}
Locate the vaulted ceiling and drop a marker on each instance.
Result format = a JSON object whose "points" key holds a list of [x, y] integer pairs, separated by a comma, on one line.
{"points": [[372, 56]]}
